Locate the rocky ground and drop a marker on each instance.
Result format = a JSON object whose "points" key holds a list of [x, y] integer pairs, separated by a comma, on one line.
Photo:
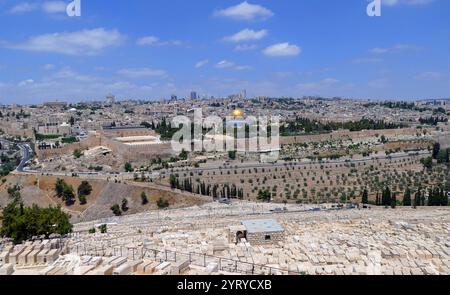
{"points": [[370, 241]]}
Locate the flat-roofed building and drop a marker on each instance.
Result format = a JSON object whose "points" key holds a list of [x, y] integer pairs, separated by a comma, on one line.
{"points": [[258, 232]]}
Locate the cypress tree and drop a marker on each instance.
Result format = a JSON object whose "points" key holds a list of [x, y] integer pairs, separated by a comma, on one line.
{"points": [[393, 201], [407, 198], [418, 198], [365, 197]]}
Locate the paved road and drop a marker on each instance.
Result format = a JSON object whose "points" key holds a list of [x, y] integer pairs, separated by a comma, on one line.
{"points": [[26, 155], [25, 151]]}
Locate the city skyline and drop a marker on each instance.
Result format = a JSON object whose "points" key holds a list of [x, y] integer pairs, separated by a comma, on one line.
{"points": [[142, 50]]}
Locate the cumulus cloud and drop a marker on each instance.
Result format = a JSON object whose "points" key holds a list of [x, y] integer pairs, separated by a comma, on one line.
{"points": [[54, 7], [85, 42], [60, 85], [25, 82], [245, 11], [148, 40], [50, 7], [282, 49], [201, 63], [225, 64], [246, 35], [23, 8], [155, 41]]}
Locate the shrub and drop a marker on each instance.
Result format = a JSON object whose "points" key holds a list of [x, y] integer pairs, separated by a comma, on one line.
{"points": [[116, 210], [162, 203]]}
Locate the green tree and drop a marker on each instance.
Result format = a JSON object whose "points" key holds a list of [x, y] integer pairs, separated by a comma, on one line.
{"points": [[85, 188], [183, 155], [427, 162], [116, 210], [82, 199], [173, 181], [232, 155], [407, 198], [59, 187], [68, 195], [144, 198], [103, 228], [365, 197], [124, 205], [417, 199], [128, 167], [264, 195], [162, 203], [394, 201], [21, 223], [436, 149], [387, 197], [77, 153]]}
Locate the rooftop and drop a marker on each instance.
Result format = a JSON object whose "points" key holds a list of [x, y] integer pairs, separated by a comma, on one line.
{"points": [[264, 225]]}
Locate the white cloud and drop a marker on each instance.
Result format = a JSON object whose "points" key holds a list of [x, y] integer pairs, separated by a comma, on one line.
{"points": [[25, 83], [201, 63], [405, 2], [49, 67], [54, 7], [395, 48], [85, 42], [50, 7], [23, 8], [149, 40], [155, 41], [225, 64], [142, 72], [282, 49], [245, 11], [246, 35]]}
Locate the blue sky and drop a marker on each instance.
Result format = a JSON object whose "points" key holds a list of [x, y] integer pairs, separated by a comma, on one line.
{"points": [[143, 49]]}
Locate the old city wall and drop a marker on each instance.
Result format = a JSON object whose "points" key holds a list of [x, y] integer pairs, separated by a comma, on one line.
{"points": [[16, 130], [129, 153], [91, 141]]}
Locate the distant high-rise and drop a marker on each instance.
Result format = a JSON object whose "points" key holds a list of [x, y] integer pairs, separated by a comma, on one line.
{"points": [[244, 94], [193, 95], [173, 97], [110, 99]]}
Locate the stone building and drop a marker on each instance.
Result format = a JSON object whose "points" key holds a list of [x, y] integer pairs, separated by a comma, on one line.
{"points": [[257, 232]]}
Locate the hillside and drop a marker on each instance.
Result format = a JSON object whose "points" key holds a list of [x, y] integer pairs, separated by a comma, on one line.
{"points": [[40, 190]]}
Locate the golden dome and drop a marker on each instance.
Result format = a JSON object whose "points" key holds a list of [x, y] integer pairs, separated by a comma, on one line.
{"points": [[237, 113]]}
